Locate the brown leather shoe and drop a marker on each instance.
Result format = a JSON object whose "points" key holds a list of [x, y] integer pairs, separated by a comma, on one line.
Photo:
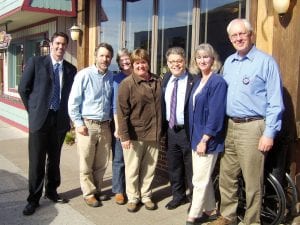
{"points": [[131, 207], [92, 201], [150, 205], [222, 221], [120, 199]]}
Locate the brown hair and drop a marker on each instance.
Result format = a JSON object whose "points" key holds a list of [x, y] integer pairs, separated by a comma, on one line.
{"points": [[140, 54]]}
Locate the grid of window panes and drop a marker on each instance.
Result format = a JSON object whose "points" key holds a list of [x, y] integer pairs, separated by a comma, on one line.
{"points": [[157, 25]]}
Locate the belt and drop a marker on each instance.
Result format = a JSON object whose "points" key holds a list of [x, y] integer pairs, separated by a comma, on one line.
{"points": [[178, 127], [98, 122], [245, 119]]}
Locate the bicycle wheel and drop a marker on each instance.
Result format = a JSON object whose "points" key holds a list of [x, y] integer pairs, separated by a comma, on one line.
{"points": [[273, 202], [290, 195]]}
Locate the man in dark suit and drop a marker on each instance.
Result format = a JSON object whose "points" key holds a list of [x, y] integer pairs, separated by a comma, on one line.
{"points": [[177, 86], [44, 88]]}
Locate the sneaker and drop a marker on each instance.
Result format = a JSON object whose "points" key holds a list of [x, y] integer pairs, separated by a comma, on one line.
{"points": [[149, 205], [131, 207], [92, 201], [120, 199], [222, 221]]}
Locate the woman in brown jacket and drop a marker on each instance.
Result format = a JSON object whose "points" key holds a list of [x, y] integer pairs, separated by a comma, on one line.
{"points": [[139, 116]]}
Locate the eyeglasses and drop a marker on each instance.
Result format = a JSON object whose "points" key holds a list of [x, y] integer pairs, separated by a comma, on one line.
{"points": [[179, 61], [240, 34]]}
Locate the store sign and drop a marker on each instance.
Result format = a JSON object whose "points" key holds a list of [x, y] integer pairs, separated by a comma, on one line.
{"points": [[4, 40]]}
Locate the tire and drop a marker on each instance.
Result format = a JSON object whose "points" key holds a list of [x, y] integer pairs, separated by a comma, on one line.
{"points": [[290, 195], [273, 202]]}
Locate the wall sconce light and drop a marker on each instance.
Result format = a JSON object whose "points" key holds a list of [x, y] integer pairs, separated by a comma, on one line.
{"points": [[281, 6], [75, 32], [45, 46]]}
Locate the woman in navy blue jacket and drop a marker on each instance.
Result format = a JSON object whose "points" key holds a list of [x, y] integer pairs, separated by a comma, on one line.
{"points": [[206, 121]]}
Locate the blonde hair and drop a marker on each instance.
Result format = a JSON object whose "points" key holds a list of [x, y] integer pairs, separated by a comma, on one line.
{"points": [[194, 69]]}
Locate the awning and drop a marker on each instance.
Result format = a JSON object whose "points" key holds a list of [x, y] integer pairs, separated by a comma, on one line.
{"points": [[15, 14]]}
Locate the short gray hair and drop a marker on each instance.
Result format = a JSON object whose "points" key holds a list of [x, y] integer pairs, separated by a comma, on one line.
{"points": [[246, 23]]}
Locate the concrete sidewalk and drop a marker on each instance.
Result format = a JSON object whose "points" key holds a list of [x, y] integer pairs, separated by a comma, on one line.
{"points": [[13, 192]]}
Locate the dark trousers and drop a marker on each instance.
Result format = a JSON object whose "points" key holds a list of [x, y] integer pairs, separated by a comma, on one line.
{"points": [[179, 159], [44, 150]]}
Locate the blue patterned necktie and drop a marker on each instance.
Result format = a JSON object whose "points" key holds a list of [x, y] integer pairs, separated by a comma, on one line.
{"points": [[172, 120], [56, 88]]}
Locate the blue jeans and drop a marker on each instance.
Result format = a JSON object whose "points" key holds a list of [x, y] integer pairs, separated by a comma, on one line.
{"points": [[118, 168]]}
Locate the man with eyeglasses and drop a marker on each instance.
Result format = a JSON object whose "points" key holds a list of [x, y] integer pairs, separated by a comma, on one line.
{"points": [[254, 108], [177, 86]]}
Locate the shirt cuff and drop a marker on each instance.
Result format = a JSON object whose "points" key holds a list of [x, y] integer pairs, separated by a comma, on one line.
{"points": [[270, 133], [78, 123]]}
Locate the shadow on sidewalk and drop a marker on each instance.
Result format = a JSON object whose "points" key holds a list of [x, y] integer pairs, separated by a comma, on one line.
{"points": [[13, 193]]}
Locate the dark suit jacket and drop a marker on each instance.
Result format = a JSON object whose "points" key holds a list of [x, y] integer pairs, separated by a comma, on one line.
{"points": [[35, 89], [190, 83]]}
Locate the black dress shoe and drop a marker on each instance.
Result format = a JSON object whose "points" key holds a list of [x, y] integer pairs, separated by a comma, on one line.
{"points": [[56, 198], [206, 218], [30, 208], [102, 197], [174, 204]]}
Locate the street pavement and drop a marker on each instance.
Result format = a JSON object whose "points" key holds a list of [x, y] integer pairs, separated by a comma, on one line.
{"points": [[13, 192]]}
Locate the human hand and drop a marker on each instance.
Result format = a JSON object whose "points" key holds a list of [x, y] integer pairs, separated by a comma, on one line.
{"points": [[265, 144], [201, 148], [116, 133], [83, 130], [126, 145]]}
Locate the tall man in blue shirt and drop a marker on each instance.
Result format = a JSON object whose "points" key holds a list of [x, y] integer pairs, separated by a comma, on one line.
{"points": [[90, 105], [254, 108]]}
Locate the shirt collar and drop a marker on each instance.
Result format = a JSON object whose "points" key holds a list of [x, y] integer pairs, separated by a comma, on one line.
{"points": [[140, 80], [54, 61], [181, 77], [250, 55], [95, 70]]}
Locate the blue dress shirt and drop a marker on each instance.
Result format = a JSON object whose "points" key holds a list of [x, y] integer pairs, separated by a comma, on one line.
{"points": [[254, 88], [91, 96]]}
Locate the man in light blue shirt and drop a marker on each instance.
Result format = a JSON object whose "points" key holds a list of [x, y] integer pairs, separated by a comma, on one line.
{"points": [[90, 108], [254, 108]]}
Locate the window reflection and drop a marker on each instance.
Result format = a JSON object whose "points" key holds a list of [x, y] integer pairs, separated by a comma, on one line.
{"points": [[215, 16], [109, 18], [174, 29], [139, 24]]}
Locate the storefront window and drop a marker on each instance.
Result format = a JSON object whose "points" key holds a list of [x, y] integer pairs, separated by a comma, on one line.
{"points": [[109, 18], [174, 28], [139, 24], [215, 16], [18, 54], [16, 62]]}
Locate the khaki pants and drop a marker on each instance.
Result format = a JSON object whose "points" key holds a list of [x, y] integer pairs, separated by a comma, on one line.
{"points": [[242, 155], [140, 163], [94, 152], [203, 192]]}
